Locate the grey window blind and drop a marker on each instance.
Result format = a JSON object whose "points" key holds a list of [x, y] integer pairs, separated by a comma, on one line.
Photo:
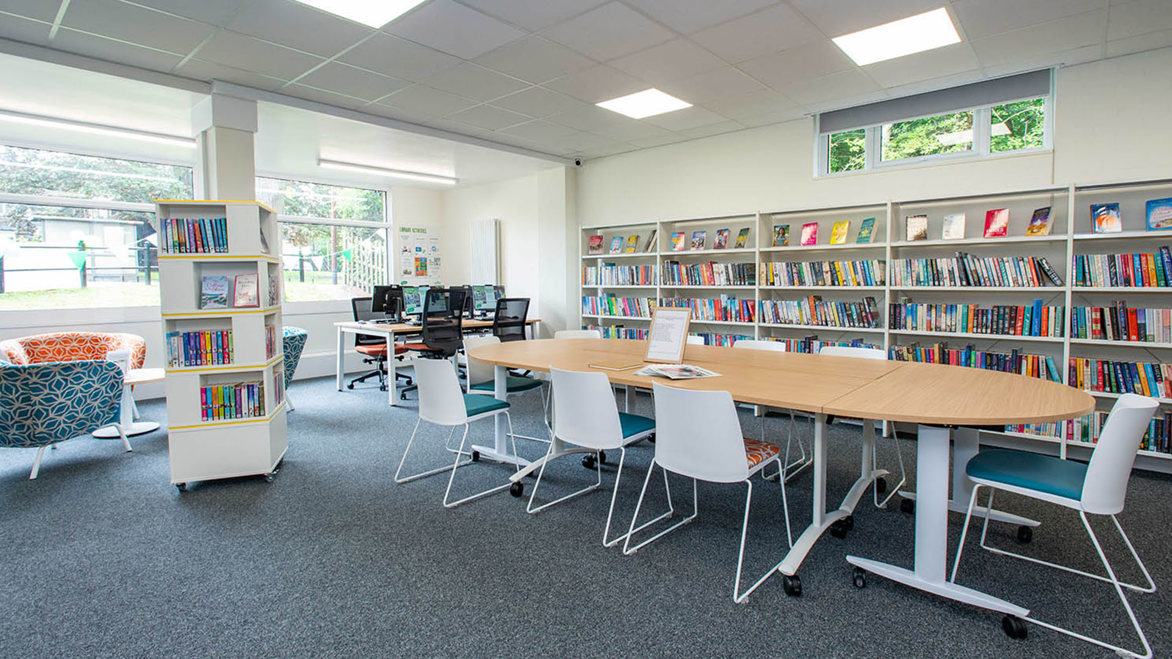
{"points": [[988, 92]]}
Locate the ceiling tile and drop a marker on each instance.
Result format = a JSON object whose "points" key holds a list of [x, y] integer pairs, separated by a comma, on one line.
{"points": [[1139, 17], [426, 101], [589, 118], [114, 51], [539, 131], [578, 142], [245, 52], [538, 102], [688, 17], [838, 18], [323, 96], [352, 81], [476, 82], [918, 67], [534, 59], [488, 117], [672, 60], [786, 68], [628, 129], [721, 83], [657, 140], [399, 58], [982, 18], [754, 103], [25, 29], [765, 32], [692, 117], [1083, 29], [533, 14], [597, 84], [713, 129], [1036, 61], [35, 9], [933, 84], [214, 12], [207, 71], [849, 85], [1149, 41], [454, 29], [610, 31], [770, 118], [610, 149], [298, 26], [146, 27]]}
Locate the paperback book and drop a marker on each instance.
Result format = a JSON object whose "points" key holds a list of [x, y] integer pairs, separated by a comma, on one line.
{"points": [[866, 229], [632, 244], [997, 223], [917, 227], [742, 239], [677, 241], [781, 235], [1105, 218], [721, 239], [247, 293], [698, 239], [1159, 214], [839, 231], [1039, 222], [214, 292], [953, 227], [648, 247], [616, 245], [810, 234], [595, 246]]}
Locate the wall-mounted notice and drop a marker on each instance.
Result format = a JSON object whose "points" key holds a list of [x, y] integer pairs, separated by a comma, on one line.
{"points": [[668, 335], [419, 256]]}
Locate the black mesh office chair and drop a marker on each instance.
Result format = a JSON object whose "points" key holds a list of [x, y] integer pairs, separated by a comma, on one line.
{"points": [[442, 330], [508, 323], [372, 348]]}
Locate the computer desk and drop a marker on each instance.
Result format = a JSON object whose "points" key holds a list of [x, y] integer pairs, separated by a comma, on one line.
{"points": [[935, 397], [389, 331]]}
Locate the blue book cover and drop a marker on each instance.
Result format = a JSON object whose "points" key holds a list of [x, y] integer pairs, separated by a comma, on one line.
{"points": [[1159, 214]]}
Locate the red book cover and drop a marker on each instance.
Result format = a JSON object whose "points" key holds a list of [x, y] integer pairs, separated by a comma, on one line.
{"points": [[1020, 319], [997, 223], [1132, 326]]}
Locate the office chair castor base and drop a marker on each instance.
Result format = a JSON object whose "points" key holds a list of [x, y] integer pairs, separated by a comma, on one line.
{"points": [[1024, 534], [860, 578], [792, 585], [881, 485], [517, 489], [908, 506], [1014, 627]]}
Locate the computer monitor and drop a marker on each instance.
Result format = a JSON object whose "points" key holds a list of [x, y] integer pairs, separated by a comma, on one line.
{"points": [[435, 302], [498, 292], [387, 301], [466, 289], [412, 300], [483, 298]]}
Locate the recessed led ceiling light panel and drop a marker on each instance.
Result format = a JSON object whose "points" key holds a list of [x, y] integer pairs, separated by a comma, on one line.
{"points": [[913, 34], [646, 103], [368, 12]]}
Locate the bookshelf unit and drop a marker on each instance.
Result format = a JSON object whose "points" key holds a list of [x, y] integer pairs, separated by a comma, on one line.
{"points": [[225, 367], [1045, 349]]}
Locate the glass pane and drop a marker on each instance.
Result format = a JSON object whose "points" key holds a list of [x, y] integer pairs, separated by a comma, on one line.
{"points": [[325, 262], [331, 202], [945, 133], [846, 151], [1018, 125], [52, 173], [52, 257]]}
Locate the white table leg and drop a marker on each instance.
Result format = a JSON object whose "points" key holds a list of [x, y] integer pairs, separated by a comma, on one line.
{"points": [[501, 451], [340, 373], [392, 384], [932, 476], [126, 419]]}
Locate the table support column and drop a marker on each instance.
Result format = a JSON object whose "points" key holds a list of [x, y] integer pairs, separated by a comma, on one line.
{"points": [[340, 373]]}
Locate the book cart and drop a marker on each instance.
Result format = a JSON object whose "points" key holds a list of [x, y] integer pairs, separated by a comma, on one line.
{"points": [[225, 369], [1087, 308]]}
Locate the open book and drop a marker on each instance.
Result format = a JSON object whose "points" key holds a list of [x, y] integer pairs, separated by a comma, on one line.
{"points": [[676, 371]]}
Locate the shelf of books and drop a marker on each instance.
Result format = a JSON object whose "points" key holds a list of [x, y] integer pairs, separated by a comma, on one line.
{"points": [[220, 286], [1072, 284]]}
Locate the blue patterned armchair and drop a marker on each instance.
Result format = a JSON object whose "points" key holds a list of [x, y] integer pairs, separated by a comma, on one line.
{"points": [[292, 343], [42, 404]]}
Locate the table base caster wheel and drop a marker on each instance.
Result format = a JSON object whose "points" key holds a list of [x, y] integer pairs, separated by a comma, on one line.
{"points": [[1014, 627], [860, 578], [517, 489], [908, 506], [403, 396], [881, 485], [182, 487], [651, 439], [1024, 534], [840, 528], [476, 456], [588, 461], [602, 457], [270, 477], [382, 387], [849, 522], [792, 585]]}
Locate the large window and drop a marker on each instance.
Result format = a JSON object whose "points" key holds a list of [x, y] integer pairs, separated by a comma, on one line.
{"points": [[78, 231], [334, 239]]}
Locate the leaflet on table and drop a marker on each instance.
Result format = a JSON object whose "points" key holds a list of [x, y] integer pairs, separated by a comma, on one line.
{"points": [[676, 371]]}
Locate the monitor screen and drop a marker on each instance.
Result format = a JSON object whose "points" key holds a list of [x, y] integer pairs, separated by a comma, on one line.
{"points": [[412, 301], [499, 291], [436, 301], [483, 298], [378, 300]]}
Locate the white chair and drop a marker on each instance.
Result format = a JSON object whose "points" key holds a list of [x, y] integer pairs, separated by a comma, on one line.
{"points": [[578, 334], [1098, 488], [442, 403], [880, 483], [482, 378], [586, 416], [791, 468], [699, 437]]}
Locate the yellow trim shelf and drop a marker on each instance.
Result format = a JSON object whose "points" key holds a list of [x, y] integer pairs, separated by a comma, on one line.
{"points": [[232, 422], [221, 257], [209, 202], [213, 313], [224, 368]]}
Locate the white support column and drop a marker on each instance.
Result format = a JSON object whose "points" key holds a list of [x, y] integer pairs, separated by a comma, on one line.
{"points": [[224, 128]]}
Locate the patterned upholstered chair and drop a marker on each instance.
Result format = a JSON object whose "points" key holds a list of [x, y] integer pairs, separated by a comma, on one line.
{"points": [[42, 404], [292, 343], [72, 346]]}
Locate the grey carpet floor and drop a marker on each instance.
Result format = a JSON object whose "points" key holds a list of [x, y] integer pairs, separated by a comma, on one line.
{"points": [[102, 557]]}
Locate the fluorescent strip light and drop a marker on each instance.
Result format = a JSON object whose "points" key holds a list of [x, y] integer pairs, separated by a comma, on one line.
{"points": [[646, 103], [96, 129], [368, 12], [390, 173], [913, 34]]}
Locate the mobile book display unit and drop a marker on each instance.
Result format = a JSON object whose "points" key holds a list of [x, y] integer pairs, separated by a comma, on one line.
{"points": [[856, 293], [220, 274]]}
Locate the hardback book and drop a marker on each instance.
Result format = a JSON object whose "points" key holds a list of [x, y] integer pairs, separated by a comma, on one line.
{"points": [[781, 235], [953, 227], [698, 239], [1159, 214], [997, 223], [1039, 222], [742, 239], [810, 233], [721, 239], [247, 293], [838, 232], [616, 245], [917, 227], [650, 245], [1105, 218], [595, 246], [214, 292], [264, 243], [677, 241], [632, 244], [866, 230]]}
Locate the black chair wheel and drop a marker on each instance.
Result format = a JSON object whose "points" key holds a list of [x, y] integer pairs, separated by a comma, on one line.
{"points": [[1014, 627], [908, 506], [517, 489], [1024, 534], [403, 396], [839, 528], [651, 439], [792, 585], [602, 457], [588, 461], [182, 487], [350, 386], [860, 578], [382, 387], [476, 456], [881, 485], [849, 522]]}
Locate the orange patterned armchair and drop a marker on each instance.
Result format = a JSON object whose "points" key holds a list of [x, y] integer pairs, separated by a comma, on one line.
{"points": [[72, 346]]}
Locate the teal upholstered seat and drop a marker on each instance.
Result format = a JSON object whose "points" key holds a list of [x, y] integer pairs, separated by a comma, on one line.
{"points": [[633, 424], [1041, 473], [513, 384], [476, 404]]}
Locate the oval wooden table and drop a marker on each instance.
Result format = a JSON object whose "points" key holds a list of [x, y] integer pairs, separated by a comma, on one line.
{"points": [[936, 397]]}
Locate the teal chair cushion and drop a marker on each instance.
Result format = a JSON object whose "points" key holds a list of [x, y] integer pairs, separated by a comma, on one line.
{"points": [[514, 384], [45, 403], [1041, 473], [633, 424], [292, 343], [477, 404]]}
